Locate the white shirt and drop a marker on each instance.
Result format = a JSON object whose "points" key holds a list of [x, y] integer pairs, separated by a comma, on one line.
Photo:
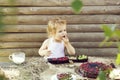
{"points": [[56, 48]]}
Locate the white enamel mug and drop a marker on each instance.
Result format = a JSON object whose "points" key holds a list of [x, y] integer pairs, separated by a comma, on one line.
{"points": [[17, 57]]}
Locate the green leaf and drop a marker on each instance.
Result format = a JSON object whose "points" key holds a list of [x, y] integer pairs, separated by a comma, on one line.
{"points": [[117, 32], [77, 5], [109, 43], [2, 77], [118, 59], [104, 41], [118, 45], [108, 30], [101, 76]]}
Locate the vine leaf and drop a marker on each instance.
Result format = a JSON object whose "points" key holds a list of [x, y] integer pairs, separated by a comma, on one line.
{"points": [[77, 6]]}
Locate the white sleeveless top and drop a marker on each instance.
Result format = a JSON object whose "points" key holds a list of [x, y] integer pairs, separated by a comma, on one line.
{"points": [[56, 48]]}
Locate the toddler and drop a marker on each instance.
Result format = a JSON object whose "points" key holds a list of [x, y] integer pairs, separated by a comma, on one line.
{"points": [[57, 42]]}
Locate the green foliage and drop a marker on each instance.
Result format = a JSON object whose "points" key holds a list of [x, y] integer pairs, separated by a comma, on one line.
{"points": [[117, 32], [111, 33], [3, 78], [101, 76], [77, 6], [108, 30], [118, 59]]}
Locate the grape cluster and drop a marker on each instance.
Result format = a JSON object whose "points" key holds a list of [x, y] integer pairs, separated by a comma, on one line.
{"points": [[58, 60], [91, 69]]}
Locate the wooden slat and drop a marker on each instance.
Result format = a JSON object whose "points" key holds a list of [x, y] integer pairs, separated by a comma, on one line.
{"points": [[60, 10], [28, 51], [23, 37], [42, 36], [38, 44], [4, 60], [88, 51], [42, 28], [24, 28], [20, 44], [92, 45], [71, 19], [56, 2], [97, 51]]}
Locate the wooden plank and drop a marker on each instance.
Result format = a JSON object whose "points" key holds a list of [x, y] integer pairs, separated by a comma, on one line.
{"points": [[23, 37], [28, 51], [24, 28], [87, 27], [38, 44], [56, 2], [42, 28], [4, 59], [60, 10], [42, 36], [20, 45], [100, 10], [88, 51], [92, 45], [97, 51], [71, 19]]}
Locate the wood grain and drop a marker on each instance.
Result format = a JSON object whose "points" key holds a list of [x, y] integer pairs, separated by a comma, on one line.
{"points": [[71, 19], [87, 51], [59, 10], [20, 37], [56, 2], [42, 28], [10, 45]]}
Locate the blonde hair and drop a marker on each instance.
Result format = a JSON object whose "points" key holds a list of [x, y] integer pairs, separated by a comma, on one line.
{"points": [[53, 25]]}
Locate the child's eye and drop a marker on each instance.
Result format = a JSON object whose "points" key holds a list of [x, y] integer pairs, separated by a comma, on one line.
{"points": [[60, 31]]}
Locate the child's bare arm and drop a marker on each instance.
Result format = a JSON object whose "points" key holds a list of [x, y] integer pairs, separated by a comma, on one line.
{"points": [[43, 51], [69, 47]]}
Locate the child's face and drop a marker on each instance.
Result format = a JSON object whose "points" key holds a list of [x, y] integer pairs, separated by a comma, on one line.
{"points": [[60, 32]]}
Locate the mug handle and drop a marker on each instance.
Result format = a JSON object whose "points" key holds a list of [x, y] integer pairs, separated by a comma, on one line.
{"points": [[10, 57]]}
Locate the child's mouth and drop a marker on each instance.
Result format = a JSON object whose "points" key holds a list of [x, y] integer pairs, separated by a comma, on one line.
{"points": [[63, 36]]}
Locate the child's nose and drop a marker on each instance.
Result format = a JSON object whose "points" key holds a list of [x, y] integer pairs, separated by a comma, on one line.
{"points": [[64, 32]]}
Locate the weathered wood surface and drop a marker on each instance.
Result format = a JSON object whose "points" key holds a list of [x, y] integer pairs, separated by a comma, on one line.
{"points": [[60, 10], [97, 51], [26, 21], [11, 45], [56, 2], [88, 51], [71, 19], [42, 36], [42, 28]]}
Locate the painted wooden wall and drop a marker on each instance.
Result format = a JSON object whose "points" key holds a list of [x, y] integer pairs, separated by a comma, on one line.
{"points": [[26, 21]]}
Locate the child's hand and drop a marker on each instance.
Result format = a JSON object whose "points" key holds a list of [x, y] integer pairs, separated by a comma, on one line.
{"points": [[65, 39], [47, 52]]}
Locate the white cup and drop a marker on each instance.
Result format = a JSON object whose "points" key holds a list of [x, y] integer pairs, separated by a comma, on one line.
{"points": [[17, 57]]}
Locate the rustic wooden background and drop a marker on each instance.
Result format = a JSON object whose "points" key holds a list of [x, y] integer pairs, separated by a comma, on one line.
{"points": [[26, 27]]}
